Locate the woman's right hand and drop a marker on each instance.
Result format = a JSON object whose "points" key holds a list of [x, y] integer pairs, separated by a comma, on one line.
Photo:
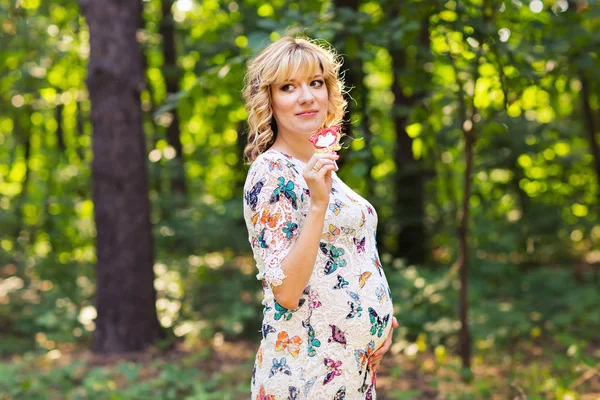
{"points": [[317, 175]]}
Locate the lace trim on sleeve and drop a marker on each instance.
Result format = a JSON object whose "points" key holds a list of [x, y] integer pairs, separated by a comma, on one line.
{"points": [[272, 272]]}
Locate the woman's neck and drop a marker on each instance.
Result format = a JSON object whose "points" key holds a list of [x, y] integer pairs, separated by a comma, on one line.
{"points": [[301, 151]]}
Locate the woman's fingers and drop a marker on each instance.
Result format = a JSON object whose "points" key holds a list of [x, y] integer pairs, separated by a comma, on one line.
{"points": [[325, 169], [314, 167], [378, 355], [375, 364], [380, 352], [321, 163], [318, 177], [320, 157], [384, 348]]}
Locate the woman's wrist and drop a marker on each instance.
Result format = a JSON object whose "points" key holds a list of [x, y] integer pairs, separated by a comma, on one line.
{"points": [[318, 208]]}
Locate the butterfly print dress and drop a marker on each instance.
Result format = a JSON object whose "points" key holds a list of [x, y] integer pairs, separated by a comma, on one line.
{"points": [[321, 349]]}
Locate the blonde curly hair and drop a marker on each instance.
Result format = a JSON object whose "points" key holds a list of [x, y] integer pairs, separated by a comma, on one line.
{"points": [[277, 63]]}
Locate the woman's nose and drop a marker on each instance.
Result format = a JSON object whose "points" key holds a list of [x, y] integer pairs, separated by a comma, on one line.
{"points": [[306, 94]]}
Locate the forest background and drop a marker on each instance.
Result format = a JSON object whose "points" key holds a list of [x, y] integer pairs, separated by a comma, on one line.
{"points": [[473, 129]]}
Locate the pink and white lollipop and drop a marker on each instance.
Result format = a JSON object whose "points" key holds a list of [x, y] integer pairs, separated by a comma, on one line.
{"points": [[326, 140]]}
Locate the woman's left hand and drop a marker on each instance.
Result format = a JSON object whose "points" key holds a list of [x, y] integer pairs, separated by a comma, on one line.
{"points": [[378, 355]]}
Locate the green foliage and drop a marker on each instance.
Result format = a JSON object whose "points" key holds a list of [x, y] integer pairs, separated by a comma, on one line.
{"points": [[534, 183], [520, 75], [506, 305], [186, 376], [119, 382]]}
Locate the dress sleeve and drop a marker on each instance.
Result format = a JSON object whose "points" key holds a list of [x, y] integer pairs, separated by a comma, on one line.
{"points": [[272, 211]]}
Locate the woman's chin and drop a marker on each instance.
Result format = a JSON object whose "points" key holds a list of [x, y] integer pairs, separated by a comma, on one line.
{"points": [[308, 132], [307, 129]]}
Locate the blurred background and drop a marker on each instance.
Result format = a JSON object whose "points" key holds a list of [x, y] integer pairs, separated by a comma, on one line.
{"points": [[473, 129]]}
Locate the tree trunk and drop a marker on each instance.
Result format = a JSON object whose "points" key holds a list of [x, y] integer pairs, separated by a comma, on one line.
{"points": [[354, 78], [155, 167], [172, 73], [80, 131], [590, 129], [409, 178], [125, 295], [20, 199], [464, 339], [363, 95], [60, 132], [467, 125], [240, 144]]}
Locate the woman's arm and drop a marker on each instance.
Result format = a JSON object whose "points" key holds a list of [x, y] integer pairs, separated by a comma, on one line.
{"points": [[299, 262]]}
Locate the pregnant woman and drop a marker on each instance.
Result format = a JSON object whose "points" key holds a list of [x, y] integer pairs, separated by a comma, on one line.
{"points": [[328, 314]]}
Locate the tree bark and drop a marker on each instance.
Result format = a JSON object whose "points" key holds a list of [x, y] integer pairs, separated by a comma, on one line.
{"points": [[467, 124], [22, 196], [354, 78], [464, 340], [125, 294], [154, 170], [80, 131], [60, 132], [590, 128], [409, 178], [172, 75]]}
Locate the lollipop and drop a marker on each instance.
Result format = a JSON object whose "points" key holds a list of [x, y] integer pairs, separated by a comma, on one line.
{"points": [[326, 140]]}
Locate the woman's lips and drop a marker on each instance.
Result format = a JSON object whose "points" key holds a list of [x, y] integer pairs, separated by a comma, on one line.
{"points": [[307, 114]]}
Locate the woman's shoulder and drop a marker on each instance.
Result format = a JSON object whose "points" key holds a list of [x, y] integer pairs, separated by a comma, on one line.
{"points": [[271, 155], [275, 162]]}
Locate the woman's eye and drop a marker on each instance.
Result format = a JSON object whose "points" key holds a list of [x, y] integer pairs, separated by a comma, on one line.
{"points": [[316, 83]]}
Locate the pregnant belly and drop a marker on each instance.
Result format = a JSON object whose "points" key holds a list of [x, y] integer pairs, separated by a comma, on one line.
{"points": [[353, 325]]}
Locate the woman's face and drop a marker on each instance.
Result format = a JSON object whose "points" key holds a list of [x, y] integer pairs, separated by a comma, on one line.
{"points": [[300, 105]]}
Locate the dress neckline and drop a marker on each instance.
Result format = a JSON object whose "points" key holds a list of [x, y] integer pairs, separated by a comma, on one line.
{"points": [[293, 158], [287, 155]]}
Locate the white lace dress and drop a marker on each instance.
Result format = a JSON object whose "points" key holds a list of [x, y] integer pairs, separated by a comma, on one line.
{"points": [[321, 349]]}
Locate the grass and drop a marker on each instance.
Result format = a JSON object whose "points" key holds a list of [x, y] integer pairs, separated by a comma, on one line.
{"points": [[221, 370]]}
